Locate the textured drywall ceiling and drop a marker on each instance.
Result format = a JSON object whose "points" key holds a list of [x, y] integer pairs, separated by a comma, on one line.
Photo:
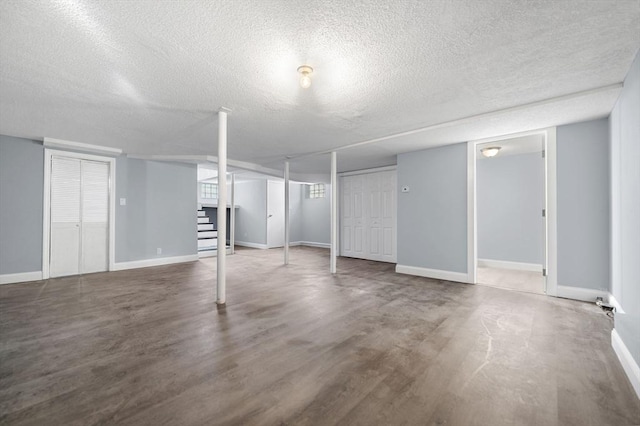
{"points": [[148, 76]]}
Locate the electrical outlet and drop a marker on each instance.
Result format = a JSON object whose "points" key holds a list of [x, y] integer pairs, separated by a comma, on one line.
{"points": [[158, 250]]}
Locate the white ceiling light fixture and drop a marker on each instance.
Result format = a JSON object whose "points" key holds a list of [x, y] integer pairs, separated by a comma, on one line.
{"points": [[491, 151], [305, 79]]}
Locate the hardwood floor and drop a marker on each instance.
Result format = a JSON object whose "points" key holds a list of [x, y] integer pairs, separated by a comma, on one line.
{"points": [[527, 281], [295, 345]]}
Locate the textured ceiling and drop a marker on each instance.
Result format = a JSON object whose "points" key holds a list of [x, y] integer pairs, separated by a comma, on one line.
{"points": [[148, 76]]}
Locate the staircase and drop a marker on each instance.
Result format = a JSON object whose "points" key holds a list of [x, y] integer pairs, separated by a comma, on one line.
{"points": [[207, 236]]}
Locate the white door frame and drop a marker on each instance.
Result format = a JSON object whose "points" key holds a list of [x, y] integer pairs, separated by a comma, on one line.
{"points": [[551, 252], [46, 216]]}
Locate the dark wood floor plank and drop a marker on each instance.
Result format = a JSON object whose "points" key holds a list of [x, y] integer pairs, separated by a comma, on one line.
{"points": [[296, 345]]}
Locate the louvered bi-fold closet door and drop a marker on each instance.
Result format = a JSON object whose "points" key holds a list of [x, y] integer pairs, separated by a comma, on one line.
{"points": [[79, 216], [65, 217], [94, 227]]}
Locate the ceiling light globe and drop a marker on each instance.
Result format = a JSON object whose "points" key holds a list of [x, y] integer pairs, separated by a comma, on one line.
{"points": [[305, 81], [491, 151]]}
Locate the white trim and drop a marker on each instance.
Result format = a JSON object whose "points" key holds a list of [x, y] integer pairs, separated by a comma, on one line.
{"points": [[211, 253], [552, 212], [472, 217], [78, 146], [312, 244], [629, 365], [580, 293], [20, 277], [549, 135], [504, 264], [432, 273], [252, 245], [367, 171], [287, 224], [46, 214], [333, 255], [135, 264], [614, 302], [232, 215], [46, 223]]}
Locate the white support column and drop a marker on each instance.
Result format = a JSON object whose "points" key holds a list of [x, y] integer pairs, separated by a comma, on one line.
{"points": [[334, 212], [232, 215], [221, 297], [286, 213]]}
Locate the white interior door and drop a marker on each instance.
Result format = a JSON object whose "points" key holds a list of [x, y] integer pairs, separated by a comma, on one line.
{"points": [[346, 217], [275, 214], [65, 217], [368, 216], [381, 190], [353, 217], [374, 204], [79, 240], [95, 217]]}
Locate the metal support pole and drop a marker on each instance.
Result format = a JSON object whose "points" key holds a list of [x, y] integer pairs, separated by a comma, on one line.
{"points": [[232, 214], [222, 207], [334, 212], [286, 213]]}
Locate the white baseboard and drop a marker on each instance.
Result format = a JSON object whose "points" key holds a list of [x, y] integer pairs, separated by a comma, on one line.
{"points": [[579, 293], [120, 266], [629, 365], [251, 245], [432, 273], [614, 302], [311, 244], [211, 253], [292, 244], [20, 277], [504, 264]]}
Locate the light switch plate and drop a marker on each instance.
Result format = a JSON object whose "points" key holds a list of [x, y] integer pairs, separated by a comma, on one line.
{"points": [[123, 201], [405, 189]]}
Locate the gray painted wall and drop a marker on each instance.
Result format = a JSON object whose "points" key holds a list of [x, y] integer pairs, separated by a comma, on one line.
{"points": [[251, 216], [316, 217], [432, 217], [160, 211], [625, 209], [296, 195], [21, 192], [510, 199], [309, 219], [583, 204]]}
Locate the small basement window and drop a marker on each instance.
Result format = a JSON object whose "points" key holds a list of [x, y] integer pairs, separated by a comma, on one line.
{"points": [[209, 190], [316, 190]]}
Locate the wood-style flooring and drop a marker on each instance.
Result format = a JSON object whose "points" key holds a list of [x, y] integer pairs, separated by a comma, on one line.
{"points": [[295, 345], [530, 282]]}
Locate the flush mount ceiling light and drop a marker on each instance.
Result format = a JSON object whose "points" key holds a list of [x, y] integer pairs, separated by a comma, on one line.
{"points": [[305, 79], [491, 151]]}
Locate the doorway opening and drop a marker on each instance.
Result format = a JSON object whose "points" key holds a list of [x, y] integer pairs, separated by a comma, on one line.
{"points": [[207, 210], [512, 212]]}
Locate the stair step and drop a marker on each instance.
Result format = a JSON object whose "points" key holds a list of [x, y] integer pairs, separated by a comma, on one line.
{"points": [[208, 242], [201, 213], [205, 227], [207, 234], [203, 220]]}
